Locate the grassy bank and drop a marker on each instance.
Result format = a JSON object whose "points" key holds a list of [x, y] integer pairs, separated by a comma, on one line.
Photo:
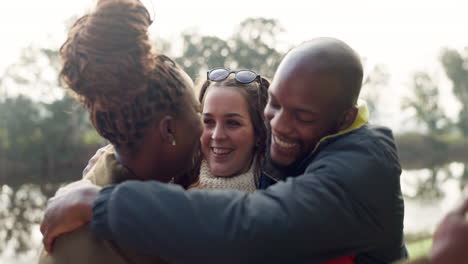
{"points": [[420, 247]]}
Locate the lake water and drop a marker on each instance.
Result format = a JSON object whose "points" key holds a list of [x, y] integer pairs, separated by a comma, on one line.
{"points": [[22, 204]]}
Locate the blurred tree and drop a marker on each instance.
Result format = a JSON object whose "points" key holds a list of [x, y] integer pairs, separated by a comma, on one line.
{"points": [[34, 75], [426, 106], [456, 67], [41, 129], [19, 133], [375, 81], [41, 140], [202, 52], [252, 46]]}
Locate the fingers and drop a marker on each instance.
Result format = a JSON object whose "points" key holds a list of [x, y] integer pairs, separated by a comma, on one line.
{"points": [[48, 241], [43, 228], [70, 188], [47, 218]]}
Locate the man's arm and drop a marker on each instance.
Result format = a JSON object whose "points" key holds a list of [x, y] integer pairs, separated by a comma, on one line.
{"points": [[306, 219]]}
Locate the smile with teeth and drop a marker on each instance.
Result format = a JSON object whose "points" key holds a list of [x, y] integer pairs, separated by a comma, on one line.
{"points": [[284, 144], [221, 151]]}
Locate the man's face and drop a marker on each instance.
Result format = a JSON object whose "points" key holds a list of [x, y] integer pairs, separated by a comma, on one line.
{"points": [[302, 108]]}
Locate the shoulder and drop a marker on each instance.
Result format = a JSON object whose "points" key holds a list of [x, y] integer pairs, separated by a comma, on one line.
{"points": [[80, 246], [366, 147], [364, 162]]}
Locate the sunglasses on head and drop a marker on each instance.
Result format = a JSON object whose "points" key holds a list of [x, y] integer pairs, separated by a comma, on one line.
{"points": [[242, 76]]}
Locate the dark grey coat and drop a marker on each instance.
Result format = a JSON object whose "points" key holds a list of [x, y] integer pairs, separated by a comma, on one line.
{"points": [[343, 199]]}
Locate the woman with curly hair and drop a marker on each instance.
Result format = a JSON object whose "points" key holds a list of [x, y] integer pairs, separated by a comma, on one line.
{"points": [[141, 102]]}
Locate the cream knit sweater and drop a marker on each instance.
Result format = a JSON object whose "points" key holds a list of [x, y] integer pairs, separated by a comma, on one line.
{"points": [[243, 182]]}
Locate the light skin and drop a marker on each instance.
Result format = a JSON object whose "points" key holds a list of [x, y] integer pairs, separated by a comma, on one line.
{"points": [[304, 106], [228, 137], [451, 237]]}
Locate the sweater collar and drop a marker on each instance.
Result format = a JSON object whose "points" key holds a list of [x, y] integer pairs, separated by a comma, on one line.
{"points": [[242, 182]]}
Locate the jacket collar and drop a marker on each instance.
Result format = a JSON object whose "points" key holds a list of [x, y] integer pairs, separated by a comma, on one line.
{"points": [[361, 119], [108, 170]]}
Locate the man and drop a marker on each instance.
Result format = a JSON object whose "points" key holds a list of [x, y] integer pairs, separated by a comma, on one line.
{"points": [[332, 187]]}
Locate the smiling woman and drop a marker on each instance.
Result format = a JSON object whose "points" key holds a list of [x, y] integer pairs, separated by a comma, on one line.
{"points": [[234, 133]]}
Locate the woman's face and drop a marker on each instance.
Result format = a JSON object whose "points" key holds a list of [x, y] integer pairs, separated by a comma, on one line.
{"points": [[228, 136]]}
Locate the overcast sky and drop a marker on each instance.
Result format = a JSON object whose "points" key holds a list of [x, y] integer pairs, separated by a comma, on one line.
{"points": [[405, 36]]}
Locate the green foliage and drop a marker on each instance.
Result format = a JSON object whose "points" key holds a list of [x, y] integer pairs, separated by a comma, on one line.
{"points": [[40, 137], [374, 83], [33, 75], [419, 248], [44, 135], [426, 106], [455, 66], [202, 52], [252, 46]]}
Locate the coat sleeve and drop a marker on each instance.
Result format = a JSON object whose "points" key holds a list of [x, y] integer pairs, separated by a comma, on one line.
{"points": [[313, 217]]}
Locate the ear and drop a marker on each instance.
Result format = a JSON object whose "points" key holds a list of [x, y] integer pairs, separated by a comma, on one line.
{"points": [[167, 129], [348, 118]]}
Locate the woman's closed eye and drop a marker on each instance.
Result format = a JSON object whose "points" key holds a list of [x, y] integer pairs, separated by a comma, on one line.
{"points": [[208, 122], [233, 123]]}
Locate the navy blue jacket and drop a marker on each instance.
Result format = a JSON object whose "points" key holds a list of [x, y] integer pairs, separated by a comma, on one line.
{"points": [[342, 199]]}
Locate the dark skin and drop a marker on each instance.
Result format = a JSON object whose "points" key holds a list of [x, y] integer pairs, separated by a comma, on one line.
{"points": [[72, 204], [305, 104], [451, 238]]}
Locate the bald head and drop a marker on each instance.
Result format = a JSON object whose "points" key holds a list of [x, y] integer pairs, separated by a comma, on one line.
{"points": [[331, 57]]}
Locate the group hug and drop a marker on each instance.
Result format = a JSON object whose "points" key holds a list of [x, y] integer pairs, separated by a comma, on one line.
{"points": [[237, 168]]}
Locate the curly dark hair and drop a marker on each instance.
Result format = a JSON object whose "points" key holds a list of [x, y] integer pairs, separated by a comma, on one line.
{"points": [[256, 94], [109, 63]]}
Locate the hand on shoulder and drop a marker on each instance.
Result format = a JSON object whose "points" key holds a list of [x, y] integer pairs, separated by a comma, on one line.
{"points": [[68, 210]]}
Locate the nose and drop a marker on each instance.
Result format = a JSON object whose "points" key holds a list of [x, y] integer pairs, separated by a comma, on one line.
{"points": [[280, 122], [218, 132]]}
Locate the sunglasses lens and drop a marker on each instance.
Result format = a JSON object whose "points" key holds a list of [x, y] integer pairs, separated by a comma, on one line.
{"points": [[218, 74], [246, 76]]}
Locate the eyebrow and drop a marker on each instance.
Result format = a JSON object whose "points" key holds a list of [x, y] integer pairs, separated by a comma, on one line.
{"points": [[226, 115], [301, 110]]}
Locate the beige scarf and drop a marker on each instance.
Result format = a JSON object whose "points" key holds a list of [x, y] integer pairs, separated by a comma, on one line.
{"points": [[243, 182]]}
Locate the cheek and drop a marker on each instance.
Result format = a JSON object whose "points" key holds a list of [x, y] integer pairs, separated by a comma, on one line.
{"points": [[245, 139], [205, 140], [311, 135]]}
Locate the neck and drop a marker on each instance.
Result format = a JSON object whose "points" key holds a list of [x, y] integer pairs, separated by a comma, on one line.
{"points": [[142, 167]]}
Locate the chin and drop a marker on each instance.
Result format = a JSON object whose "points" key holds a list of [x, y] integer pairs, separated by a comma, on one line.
{"points": [[280, 163], [280, 160]]}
